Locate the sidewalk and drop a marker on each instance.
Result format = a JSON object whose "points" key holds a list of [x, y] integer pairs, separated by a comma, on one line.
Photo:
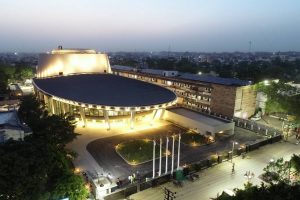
{"points": [[219, 177]]}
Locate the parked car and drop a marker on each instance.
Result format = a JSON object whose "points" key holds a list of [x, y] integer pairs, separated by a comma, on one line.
{"points": [[255, 118]]}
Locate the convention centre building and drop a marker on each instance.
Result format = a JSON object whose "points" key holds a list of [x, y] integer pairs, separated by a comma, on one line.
{"points": [[80, 82]]}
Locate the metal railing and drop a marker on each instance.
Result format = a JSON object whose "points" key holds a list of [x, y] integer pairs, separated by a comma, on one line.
{"points": [[257, 127]]}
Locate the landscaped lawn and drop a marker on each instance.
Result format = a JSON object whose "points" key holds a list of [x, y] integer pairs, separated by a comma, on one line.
{"points": [[135, 152], [194, 139]]}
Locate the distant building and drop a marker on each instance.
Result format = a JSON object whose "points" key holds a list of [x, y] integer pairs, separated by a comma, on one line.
{"points": [[11, 127], [7, 105]]}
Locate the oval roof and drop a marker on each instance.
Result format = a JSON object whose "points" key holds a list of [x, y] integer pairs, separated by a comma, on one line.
{"points": [[105, 89]]}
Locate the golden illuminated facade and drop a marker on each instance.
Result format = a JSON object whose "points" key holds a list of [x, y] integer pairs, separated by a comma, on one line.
{"points": [[69, 61], [80, 82]]}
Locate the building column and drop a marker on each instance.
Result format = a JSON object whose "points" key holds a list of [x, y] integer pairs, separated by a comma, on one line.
{"points": [[105, 113], [153, 116], [61, 111], [82, 115], [51, 104], [132, 119], [40, 96], [46, 100], [162, 113], [62, 105], [56, 107], [66, 107]]}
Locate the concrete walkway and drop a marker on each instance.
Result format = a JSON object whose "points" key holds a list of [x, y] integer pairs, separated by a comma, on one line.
{"points": [[218, 178]]}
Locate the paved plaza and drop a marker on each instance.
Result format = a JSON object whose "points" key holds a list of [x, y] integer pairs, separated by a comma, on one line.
{"points": [[271, 121], [84, 161]]}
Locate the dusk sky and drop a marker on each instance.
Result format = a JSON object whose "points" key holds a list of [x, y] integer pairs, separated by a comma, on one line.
{"points": [[150, 25]]}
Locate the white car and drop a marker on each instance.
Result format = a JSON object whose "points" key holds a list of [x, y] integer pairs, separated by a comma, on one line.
{"points": [[255, 118]]}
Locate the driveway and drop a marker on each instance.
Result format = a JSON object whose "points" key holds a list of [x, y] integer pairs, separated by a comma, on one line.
{"points": [[103, 150]]}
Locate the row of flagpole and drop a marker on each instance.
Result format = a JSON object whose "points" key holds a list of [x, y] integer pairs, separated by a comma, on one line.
{"points": [[167, 149]]}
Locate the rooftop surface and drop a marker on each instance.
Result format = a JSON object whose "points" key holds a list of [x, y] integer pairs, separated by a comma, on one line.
{"points": [[188, 76], [197, 116], [9, 118], [105, 89], [214, 79], [73, 51]]}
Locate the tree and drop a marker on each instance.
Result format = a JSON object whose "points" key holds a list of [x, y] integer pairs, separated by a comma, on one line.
{"points": [[280, 191], [32, 112], [38, 168], [279, 99], [9, 71], [56, 129], [22, 174], [23, 73], [280, 188], [3, 83], [71, 186], [277, 171]]}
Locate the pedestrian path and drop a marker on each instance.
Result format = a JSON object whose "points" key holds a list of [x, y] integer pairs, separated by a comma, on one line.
{"points": [[220, 177]]}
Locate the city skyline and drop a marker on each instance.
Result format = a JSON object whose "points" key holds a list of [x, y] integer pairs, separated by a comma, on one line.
{"points": [[214, 26]]}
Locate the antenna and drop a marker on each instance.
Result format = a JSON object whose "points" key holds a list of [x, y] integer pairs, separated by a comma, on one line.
{"points": [[250, 44]]}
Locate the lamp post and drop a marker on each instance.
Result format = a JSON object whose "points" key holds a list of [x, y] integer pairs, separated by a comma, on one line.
{"points": [[249, 176], [289, 171], [233, 144]]}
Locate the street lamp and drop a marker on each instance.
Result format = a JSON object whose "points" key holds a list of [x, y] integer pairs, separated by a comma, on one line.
{"points": [[249, 175], [266, 82], [233, 143]]}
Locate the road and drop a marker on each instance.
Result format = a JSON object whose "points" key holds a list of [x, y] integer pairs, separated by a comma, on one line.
{"points": [[218, 178]]}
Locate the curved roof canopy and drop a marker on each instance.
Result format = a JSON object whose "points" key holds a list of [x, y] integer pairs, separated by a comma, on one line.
{"points": [[105, 90]]}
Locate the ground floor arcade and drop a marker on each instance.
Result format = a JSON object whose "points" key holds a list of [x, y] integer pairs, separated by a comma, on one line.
{"points": [[106, 116]]}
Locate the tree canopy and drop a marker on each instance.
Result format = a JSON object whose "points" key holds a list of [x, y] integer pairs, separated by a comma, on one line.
{"points": [[39, 167], [279, 100], [9, 74], [279, 191], [19, 72], [255, 71], [55, 129]]}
